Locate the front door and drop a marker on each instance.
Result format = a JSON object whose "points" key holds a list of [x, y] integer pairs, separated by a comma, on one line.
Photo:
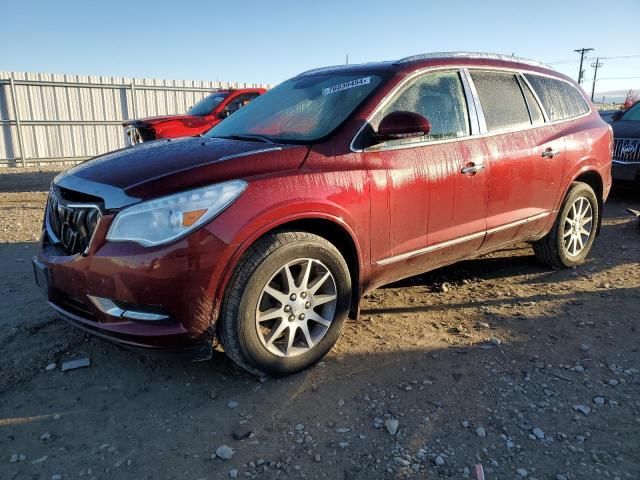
{"points": [[429, 194]]}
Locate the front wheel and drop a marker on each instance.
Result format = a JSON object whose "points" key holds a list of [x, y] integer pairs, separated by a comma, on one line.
{"points": [[286, 303], [571, 238]]}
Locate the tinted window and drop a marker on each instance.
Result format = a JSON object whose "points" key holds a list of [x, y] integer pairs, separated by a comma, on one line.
{"points": [[633, 114], [239, 102], [501, 99], [207, 104], [560, 99], [535, 112], [440, 98]]}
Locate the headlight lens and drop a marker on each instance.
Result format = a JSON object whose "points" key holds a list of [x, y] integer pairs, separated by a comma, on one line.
{"points": [[165, 219]]}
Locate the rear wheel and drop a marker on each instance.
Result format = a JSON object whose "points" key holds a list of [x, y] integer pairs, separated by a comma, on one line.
{"points": [[286, 303], [571, 238]]}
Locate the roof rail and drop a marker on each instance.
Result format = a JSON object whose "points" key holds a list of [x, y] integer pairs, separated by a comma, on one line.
{"points": [[478, 55], [336, 68], [322, 70]]}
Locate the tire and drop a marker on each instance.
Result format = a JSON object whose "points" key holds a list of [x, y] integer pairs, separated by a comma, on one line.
{"points": [[263, 272], [553, 249]]}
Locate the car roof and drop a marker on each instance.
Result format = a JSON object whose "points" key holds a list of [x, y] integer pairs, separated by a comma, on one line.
{"points": [[424, 60]]}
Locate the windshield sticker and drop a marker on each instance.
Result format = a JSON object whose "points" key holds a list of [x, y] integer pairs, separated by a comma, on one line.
{"points": [[344, 86]]}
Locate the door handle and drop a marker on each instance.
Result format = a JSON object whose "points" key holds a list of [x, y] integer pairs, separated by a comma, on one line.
{"points": [[472, 168], [550, 153]]}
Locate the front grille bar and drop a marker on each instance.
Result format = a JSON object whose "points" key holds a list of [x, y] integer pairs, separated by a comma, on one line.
{"points": [[70, 225], [626, 150]]}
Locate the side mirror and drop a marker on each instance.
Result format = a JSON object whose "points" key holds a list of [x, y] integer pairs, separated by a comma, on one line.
{"points": [[399, 125], [617, 115]]}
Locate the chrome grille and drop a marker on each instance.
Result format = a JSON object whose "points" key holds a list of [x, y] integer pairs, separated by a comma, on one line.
{"points": [[626, 150], [70, 226]]}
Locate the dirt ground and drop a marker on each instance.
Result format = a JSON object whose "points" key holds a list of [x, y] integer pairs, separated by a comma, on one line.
{"points": [[530, 372]]}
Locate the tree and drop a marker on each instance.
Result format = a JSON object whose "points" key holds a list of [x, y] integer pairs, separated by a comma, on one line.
{"points": [[632, 97]]}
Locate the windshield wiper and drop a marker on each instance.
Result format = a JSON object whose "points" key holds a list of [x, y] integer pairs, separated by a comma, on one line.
{"points": [[249, 137]]}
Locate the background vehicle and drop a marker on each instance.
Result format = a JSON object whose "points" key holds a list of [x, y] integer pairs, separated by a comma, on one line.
{"points": [[208, 112], [607, 115], [626, 151], [267, 231]]}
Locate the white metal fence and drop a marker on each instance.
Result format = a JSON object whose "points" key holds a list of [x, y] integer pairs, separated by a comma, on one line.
{"points": [[69, 118]]}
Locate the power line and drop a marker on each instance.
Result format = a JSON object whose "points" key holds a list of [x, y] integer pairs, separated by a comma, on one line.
{"points": [[635, 55], [619, 78], [622, 56]]}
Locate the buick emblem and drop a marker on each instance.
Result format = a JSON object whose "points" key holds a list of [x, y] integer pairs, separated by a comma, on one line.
{"points": [[628, 150]]}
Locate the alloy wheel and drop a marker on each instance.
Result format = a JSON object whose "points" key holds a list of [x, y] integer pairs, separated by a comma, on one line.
{"points": [[296, 307], [578, 225]]}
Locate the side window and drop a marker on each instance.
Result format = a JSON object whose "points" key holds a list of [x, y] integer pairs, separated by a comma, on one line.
{"points": [[239, 102], [502, 100], [440, 98], [535, 112], [560, 99]]}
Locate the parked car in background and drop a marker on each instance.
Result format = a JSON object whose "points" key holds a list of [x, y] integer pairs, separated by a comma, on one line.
{"points": [[205, 114], [626, 151], [266, 232], [607, 115]]}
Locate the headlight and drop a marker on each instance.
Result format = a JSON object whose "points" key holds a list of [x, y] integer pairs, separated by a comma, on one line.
{"points": [[165, 219]]}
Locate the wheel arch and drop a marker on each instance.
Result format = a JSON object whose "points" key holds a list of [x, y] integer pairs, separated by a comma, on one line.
{"points": [[594, 180], [333, 229]]}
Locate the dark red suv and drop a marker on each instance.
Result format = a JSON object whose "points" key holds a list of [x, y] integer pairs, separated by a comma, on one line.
{"points": [[205, 114], [265, 233]]}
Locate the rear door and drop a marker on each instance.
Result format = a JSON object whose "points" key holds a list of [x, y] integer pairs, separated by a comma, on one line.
{"points": [[519, 199], [435, 186]]}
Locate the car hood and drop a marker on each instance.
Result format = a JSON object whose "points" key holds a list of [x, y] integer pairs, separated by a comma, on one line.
{"points": [[626, 129], [162, 167], [150, 121]]}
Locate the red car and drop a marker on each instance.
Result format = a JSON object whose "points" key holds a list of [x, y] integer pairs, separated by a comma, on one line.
{"points": [[265, 233], [208, 112]]}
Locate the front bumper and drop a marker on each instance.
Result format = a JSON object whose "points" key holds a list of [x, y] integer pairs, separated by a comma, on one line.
{"points": [[174, 285], [625, 172]]}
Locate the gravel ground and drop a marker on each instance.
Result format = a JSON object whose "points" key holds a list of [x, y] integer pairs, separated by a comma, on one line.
{"points": [[530, 372]]}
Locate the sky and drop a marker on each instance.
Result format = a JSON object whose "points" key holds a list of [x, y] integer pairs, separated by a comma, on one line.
{"points": [[270, 41]]}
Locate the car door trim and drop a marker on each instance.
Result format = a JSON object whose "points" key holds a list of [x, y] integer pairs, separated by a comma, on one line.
{"points": [[506, 226], [430, 248], [456, 241]]}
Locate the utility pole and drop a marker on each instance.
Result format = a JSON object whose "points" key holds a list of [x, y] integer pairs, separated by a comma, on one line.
{"points": [[582, 51], [347, 60], [595, 75]]}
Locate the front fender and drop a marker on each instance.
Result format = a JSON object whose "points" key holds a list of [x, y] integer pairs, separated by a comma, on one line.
{"points": [[263, 209]]}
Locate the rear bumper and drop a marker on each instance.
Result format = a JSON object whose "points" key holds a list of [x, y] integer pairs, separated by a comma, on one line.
{"points": [[625, 172]]}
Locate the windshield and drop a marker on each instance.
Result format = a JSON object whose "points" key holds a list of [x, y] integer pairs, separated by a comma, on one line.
{"points": [[207, 104], [632, 114], [302, 109]]}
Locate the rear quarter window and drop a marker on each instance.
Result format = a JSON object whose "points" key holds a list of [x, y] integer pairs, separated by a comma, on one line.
{"points": [[560, 99], [502, 101]]}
